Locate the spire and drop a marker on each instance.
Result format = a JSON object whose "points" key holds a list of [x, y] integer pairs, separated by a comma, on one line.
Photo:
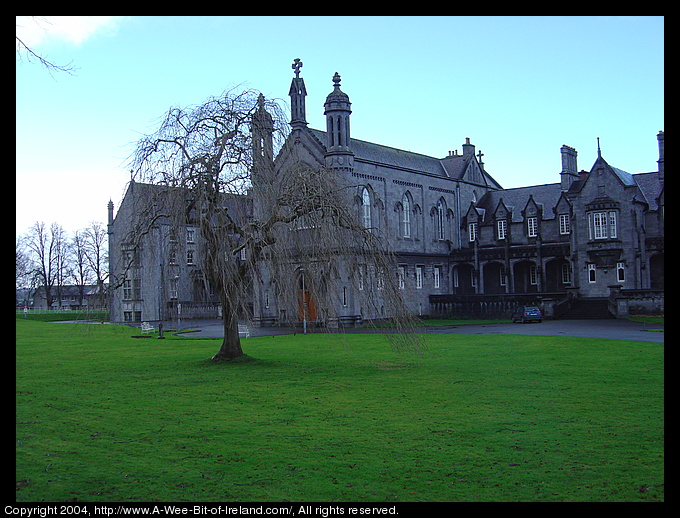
{"points": [[599, 152], [262, 128], [297, 95]]}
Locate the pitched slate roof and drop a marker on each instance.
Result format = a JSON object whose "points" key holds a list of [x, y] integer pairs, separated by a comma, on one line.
{"points": [[545, 196], [650, 188], [449, 167], [389, 156], [648, 184]]}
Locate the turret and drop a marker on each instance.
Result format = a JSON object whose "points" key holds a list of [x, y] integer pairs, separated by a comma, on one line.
{"points": [[337, 112], [262, 129], [110, 220]]}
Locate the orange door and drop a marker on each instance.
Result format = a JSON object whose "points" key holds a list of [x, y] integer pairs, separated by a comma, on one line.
{"points": [[306, 304]]}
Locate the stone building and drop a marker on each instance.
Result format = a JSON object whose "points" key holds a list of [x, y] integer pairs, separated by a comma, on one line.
{"points": [[153, 263], [465, 245]]}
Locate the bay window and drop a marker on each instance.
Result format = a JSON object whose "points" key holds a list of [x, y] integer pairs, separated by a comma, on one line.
{"points": [[602, 225]]}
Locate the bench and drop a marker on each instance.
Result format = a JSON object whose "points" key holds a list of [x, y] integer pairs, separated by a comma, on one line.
{"points": [[243, 331], [147, 328]]}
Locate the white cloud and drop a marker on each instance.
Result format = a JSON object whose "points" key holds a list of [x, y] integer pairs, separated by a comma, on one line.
{"points": [[34, 30], [71, 198]]}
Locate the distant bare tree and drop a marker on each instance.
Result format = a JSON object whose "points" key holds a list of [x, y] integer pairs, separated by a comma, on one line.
{"points": [[23, 264], [94, 244], [62, 260], [295, 217], [80, 270], [47, 248]]}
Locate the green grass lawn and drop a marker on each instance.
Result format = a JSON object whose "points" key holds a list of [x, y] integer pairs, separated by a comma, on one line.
{"points": [[101, 416]]}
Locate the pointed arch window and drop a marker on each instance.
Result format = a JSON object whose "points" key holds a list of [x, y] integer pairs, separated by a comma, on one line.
{"points": [[440, 215], [366, 208], [331, 132], [406, 216]]}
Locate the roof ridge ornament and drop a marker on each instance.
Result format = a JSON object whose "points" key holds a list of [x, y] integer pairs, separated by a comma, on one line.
{"points": [[297, 65]]}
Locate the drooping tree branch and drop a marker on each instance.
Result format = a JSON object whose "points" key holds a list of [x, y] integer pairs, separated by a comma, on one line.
{"points": [[252, 213]]}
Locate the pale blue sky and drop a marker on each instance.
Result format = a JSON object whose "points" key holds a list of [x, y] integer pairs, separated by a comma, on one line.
{"points": [[518, 87]]}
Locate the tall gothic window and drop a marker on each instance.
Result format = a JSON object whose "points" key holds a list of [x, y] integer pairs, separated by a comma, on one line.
{"points": [[406, 215], [441, 211], [366, 208]]}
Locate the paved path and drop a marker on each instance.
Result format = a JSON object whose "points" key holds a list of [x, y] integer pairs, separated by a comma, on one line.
{"points": [[616, 329]]}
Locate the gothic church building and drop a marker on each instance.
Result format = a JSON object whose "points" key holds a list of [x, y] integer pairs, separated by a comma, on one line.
{"points": [[467, 246]]}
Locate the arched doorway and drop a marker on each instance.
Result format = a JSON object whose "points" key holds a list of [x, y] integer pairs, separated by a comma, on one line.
{"points": [[495, 278], [307, 309], [526, 277], [558, 275], [463, 279], [656, 270]]}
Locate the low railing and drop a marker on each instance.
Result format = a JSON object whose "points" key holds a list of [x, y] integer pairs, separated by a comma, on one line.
{"points": [[623, 303], [490, 306]]}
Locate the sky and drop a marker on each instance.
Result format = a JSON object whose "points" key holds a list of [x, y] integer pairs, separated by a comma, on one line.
{"points": [[518, 87]]}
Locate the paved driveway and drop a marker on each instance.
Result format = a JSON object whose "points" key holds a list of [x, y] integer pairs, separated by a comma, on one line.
{"points": [[616, 329]]}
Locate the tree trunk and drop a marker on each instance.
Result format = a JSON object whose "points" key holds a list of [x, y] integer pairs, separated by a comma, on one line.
{"points": [[231, 345]]}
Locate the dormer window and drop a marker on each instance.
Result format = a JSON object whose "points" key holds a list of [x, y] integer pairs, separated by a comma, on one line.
{"points": [[532, 226], [502, 228], [565, 224], [472, 231]]}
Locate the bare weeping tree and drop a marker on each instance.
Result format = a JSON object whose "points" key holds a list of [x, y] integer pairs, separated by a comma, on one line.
{"points": [[215, 164]]}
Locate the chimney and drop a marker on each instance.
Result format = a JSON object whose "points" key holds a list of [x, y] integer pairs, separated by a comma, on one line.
{"points": [[468, 149], [110, 224], [659, 137], [569, 171]]}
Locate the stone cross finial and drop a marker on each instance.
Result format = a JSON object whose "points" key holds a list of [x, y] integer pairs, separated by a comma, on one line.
{"points": [[297, 65]]}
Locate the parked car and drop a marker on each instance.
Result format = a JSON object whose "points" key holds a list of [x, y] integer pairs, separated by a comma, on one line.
{"points": [[527, 313]]}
